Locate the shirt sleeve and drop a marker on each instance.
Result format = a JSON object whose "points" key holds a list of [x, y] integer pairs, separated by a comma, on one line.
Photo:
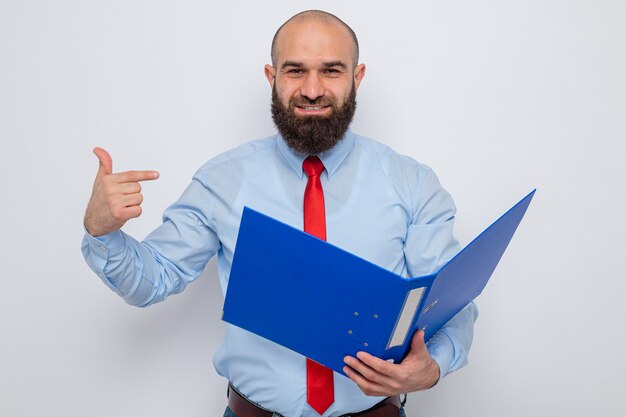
{"points": [[172, 256], [430, 243]]}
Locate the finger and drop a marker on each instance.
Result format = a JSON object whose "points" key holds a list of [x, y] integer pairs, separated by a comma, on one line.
{"points": [[367, 386], [418, 347], [121, 215], [379, 365], [135, 176], [106, 163], [132, 212], [366, 371], [128, 188], [131, 200]]}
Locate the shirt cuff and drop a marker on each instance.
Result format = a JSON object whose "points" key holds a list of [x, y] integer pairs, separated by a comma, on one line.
{"points": [[98, 250], [441, 350], [111, 242]]}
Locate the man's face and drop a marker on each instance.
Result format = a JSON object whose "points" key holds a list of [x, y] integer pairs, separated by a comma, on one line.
{"points": [[314, 84]]}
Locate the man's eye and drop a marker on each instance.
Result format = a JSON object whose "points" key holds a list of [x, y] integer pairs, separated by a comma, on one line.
{"points": [[332, 71], [295, 71]]}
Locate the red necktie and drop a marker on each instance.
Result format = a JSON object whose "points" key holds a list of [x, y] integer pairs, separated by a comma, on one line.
{"points": [[320, 392]]}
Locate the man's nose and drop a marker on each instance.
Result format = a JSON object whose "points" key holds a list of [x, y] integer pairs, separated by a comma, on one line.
{"points": [[312, 87]]}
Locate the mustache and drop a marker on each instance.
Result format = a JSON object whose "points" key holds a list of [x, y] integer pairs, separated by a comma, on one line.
{"points": [[323, 101]]}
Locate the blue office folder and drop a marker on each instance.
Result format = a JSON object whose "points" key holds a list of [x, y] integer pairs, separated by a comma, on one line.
{"points": [[342, 304]]}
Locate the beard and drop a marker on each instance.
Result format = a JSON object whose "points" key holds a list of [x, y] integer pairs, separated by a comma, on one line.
{"points": [[313, 135]]}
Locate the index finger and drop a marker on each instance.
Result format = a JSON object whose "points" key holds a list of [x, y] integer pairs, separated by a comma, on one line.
{"points": [[379, 365], [135, 176]]}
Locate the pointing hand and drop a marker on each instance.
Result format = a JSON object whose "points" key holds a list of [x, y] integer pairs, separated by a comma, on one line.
{"points": [[115, 198]]}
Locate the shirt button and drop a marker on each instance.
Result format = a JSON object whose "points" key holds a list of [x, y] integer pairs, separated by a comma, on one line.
{"points": [[102, 248]]}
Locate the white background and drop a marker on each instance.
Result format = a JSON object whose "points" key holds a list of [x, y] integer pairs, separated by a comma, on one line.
{"points": [[498, 97]]}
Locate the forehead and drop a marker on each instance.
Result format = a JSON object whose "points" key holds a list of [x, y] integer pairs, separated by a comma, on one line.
{"points": [[312, 40]]}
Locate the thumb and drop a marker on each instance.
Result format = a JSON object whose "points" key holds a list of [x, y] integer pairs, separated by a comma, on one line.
{"points": [[418, 347], [106, 163]]}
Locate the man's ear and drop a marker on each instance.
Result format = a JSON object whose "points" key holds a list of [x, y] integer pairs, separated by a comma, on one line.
{"points": [[359, 73], [270, 74]]}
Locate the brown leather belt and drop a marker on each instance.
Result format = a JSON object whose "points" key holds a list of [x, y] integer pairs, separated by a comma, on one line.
{"points": [[389, 407]]}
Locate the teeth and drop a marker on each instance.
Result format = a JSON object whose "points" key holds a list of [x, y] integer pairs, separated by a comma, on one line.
{"points": [[313, 108]]}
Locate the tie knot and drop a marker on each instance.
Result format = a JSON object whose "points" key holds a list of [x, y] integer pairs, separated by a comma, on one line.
{"points": [[312, 166]]}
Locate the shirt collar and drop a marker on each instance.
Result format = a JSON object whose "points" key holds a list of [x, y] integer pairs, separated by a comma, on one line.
{"points": [[331, 158]]}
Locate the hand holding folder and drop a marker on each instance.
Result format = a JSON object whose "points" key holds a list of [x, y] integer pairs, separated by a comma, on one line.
{"points": [[345, 304]]}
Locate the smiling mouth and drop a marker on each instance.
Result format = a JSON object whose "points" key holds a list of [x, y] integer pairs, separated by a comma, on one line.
{"points": [[312, 109]]}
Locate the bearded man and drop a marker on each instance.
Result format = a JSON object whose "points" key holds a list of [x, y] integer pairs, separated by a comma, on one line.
{"points": [[379, 205]]}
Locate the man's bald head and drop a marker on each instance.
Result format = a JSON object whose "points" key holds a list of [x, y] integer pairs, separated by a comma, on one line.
{"points": [[320, 16]]}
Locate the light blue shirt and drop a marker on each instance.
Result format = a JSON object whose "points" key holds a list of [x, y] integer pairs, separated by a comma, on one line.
{"points": [[381, 206]]}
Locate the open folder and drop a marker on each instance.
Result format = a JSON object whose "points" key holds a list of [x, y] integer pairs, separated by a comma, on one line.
{"points": [[342, 304]]}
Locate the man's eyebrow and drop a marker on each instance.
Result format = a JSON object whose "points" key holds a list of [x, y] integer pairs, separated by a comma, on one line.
{"points": [[329, 64], [292, 64], [335, 64]]}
